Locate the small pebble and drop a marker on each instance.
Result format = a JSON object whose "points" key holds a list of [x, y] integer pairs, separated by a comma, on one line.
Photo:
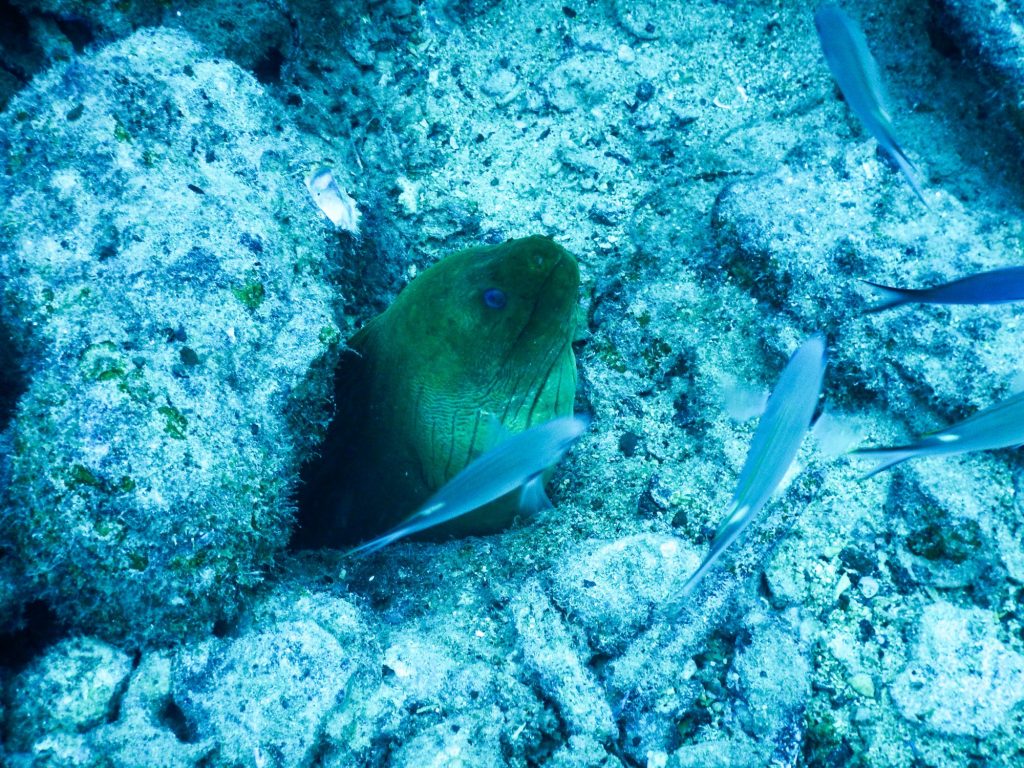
{"points": [[336, 204], [689, 669], [645, 90], [606, 212], [550, 220], [626, 54], [408, 195], [862, 684], [863, 715], [500, 83], [842, 585], [868, 587]]}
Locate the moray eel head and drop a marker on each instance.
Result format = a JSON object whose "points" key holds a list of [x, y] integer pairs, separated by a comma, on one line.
{"points": [[493, 322], [477, 347]]}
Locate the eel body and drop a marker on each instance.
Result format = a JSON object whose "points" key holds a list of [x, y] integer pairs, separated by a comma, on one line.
{"points": [[477, 347]]}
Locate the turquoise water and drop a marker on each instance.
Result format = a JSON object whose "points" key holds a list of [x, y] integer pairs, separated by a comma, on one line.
{"points": [[203, 202]]}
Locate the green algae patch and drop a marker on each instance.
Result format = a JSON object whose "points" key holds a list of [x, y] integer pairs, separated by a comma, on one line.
{"points": [[135, 386], [251, 294], [102, 361], [329, 336], [137, 561], [82, 475], [953, 543], [175, 423], [609, 354], [654, 354], [121, 133]]}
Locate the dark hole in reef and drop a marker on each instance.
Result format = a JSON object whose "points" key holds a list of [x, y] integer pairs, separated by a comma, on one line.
{"points": [[20, 53], [40, 629], [822, 745], [76, 29], [15, 33], [114, 710], [268, 69], [691, 722], [370, 276], [12, 379], [324, 504], [171, 716], [942, 41]]}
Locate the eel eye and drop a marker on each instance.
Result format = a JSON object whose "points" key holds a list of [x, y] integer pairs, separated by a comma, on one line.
{"points": [[494, 298]]}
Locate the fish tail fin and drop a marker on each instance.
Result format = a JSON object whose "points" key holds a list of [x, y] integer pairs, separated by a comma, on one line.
{"points": [[696, 577], [736, 520], [887, 458], [909, 171], [375, 545], [412, 524], [890, 297]]}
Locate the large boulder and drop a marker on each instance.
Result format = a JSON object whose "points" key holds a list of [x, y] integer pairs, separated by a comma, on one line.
{"points": [[164, 284]]}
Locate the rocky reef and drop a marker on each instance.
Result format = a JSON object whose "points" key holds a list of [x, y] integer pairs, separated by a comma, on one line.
{"points": [[165, 291], [174, 304]]}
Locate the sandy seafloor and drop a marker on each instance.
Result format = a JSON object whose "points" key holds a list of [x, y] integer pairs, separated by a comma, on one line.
{"points": [[174, 302]]}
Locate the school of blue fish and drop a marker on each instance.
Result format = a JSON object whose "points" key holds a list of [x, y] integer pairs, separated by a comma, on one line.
{"points": [[518, 463]]}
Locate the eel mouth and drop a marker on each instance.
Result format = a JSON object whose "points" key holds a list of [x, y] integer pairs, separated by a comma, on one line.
{"points": [[553, 314], [540, 360]]}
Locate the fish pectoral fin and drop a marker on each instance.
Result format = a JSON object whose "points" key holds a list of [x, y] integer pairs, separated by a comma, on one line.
{"points": [[532, 498]]}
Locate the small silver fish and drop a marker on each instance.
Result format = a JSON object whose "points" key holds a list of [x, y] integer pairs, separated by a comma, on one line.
{"points": [[776, 441], [998, 426], [518, 462], [856, 72], [997, 286]]}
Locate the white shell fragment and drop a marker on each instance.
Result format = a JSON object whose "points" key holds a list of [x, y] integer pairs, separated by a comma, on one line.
{"points": [[335, 202]]}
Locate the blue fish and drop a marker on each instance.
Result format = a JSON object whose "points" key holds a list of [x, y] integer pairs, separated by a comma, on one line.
{"points": [[776, 441], [997, 286], [517, 463], [999, 426], [856, 72]]}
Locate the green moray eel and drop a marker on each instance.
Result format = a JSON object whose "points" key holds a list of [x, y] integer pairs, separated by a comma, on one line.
{"points": [[477, 347]]}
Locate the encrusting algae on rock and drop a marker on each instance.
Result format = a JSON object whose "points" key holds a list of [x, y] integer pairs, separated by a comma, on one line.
{"points": [[478, 346], [173, 339]]}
